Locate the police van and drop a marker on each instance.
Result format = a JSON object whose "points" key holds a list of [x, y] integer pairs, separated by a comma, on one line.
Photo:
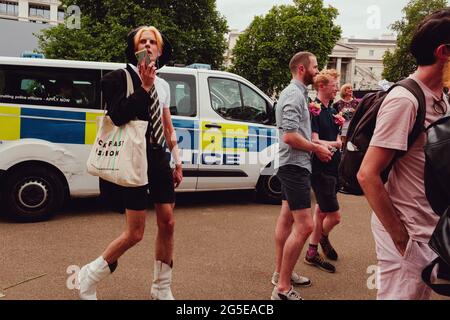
{"points": [[49, 111]]}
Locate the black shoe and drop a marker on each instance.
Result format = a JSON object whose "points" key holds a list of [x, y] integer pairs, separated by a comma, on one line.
{"points": [[328, 249], [318, 262]]}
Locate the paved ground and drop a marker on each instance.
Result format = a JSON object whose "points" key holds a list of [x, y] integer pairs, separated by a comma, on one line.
{"points": [[223, 250]]}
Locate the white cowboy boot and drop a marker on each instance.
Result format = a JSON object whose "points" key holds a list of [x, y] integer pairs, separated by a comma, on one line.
{"points": [[90, 275], [162, 278]]}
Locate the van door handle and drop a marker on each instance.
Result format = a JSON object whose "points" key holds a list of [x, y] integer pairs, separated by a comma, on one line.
{"points": [[213, 125]]}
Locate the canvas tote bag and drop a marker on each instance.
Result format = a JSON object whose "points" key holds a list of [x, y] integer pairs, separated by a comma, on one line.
{"points": [[119, 154]]}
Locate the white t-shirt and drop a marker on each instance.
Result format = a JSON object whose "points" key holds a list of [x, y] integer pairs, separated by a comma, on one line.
{"points": [[162, 89]]}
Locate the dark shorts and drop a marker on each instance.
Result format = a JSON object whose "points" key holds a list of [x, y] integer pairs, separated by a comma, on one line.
{"points": [[295, 186], [325, 189], [159, 190], [160, 177]]}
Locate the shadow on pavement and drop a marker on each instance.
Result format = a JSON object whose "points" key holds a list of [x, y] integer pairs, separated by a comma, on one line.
{"points": [[183, 200]]}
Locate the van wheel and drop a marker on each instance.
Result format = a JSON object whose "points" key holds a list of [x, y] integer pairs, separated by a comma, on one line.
{"points": [[268, 189], [33, 193]]}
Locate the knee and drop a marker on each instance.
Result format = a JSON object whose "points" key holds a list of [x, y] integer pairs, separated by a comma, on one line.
{"points": [[337, 218], [167, 225], [134, 237], [307, 227]]}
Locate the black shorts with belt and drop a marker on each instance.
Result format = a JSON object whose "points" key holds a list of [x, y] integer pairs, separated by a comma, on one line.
{"points": [[159, 190]]}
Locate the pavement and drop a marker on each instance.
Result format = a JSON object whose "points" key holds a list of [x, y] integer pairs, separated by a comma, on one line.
{"points": [[224, 250]]}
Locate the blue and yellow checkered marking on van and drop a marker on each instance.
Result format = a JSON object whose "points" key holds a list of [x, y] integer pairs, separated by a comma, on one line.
{"points": [[75, 127], [71, 127], [233, 137], [9, 123], [58, 126]]}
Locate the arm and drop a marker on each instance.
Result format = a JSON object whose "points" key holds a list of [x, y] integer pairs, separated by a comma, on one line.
{"points": [[374, 163], [171, 139], [296, 141], [290, 122], [336, 144], [120, 108]]}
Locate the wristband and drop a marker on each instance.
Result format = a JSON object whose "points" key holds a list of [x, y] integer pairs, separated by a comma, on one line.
{"points": [[176, 155]]}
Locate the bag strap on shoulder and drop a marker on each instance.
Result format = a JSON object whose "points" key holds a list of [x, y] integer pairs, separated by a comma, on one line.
{"points": [[419, 126], [130, 89]]}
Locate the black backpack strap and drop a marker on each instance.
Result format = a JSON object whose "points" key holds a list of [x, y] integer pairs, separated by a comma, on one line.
{"points": [[442, 289], [419, 126]]}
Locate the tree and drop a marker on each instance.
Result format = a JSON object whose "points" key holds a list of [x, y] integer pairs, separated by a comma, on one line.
{"points": [[262, 53], [400, 63], [195, 29]]}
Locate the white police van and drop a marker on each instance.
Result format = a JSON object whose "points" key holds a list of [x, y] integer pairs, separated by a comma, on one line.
{"points": [[48, 122]]}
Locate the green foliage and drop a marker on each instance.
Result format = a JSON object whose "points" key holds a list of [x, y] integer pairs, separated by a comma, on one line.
{"points": [[195, 29], [262, 53], [400, 63]]}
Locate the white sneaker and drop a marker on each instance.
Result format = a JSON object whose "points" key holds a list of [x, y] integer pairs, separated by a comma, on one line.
{"points": [[296, 280], [88, 277], [162, 278], [291, 295]]}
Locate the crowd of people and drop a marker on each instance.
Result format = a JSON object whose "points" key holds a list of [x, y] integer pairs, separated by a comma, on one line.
{"points": [[312, 135]]}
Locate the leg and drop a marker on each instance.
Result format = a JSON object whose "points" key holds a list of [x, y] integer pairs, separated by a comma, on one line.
{"points": [[326, 218], [134, 232], [301, 230], [293, 228], [331, 221], [164, 236], [92, 273], [282, 232], [319, 218], [162, 273]]}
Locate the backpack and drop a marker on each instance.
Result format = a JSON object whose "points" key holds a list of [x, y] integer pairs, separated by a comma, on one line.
{"points": [[361, 130], [437, 190]]}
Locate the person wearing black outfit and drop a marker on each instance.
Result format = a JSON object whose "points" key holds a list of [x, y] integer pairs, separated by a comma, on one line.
{"points": [[149, 102], [324, 179]]}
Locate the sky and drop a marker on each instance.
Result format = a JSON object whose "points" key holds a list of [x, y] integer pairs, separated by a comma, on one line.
{"points": [[360, 19]]}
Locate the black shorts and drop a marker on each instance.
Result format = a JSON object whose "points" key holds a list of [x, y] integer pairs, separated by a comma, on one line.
{"points": [[325, 189], [159, 190], [295, 186], [160, 176]]}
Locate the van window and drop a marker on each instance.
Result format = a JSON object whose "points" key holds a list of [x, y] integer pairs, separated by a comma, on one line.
{"points": [[233, 100], [183, 94], [46, 86]]}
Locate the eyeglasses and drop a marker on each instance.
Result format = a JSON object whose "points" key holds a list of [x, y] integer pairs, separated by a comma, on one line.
{"points": [[440, 107]]}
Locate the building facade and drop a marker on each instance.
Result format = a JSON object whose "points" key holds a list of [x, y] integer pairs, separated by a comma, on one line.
{"points": [[364, 70], [359, 61], [233, 36], [38, 11]]}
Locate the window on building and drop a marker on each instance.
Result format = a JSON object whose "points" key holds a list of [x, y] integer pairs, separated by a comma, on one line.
{"points": [[42, 12], [61, 14], [371, 53], [9, 8]]}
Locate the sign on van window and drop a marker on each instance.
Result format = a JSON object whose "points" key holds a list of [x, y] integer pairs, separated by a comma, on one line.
{"points": [[56, 87]]}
